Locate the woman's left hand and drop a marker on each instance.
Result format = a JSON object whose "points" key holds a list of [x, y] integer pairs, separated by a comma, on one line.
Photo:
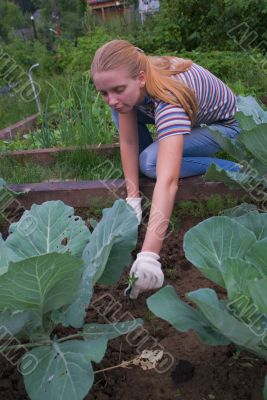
{"points": [[147, 270], [135, 203]]}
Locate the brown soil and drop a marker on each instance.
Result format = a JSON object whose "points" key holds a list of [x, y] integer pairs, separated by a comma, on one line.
{"points": [[264, 100], [217, 373]]}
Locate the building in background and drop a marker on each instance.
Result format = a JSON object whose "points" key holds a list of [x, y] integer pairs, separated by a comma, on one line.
{"points": [[147, 7], [106, 10]]}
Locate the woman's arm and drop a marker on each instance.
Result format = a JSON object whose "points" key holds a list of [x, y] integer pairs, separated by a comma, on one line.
{"points": [[129, 148], [147, 268], [168, 170]]}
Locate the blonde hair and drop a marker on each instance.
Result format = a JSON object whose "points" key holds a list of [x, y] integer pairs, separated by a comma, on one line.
{"points": [[120, 54]]}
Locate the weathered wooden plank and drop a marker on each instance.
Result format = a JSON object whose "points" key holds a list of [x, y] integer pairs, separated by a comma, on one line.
{"points": [[86, 193], [47, 157], [20, 127]]}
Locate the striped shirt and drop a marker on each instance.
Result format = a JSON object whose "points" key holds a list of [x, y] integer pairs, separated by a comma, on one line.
{"points": [[216, 103]]}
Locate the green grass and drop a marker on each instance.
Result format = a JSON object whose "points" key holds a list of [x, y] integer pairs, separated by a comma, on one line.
{"points": [[214, 205], [13, 108], [78, 166]]}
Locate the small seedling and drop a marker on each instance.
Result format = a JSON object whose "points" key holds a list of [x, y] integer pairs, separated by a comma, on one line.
{"points": [[171, 273], [178, 394], [149, 316], [130, 281]]}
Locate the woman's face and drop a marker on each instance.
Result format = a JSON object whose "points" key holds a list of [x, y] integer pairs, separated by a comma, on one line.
{"points": [[120, 91]]}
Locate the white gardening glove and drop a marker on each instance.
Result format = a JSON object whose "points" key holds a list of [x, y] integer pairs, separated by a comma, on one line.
{"points": [[147, 270], [135, 203]]}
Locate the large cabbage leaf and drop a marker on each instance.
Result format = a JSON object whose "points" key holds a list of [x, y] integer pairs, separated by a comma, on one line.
{"points": [[210, 242], [105, 256], [232, 179], [166, 304], [227, 144], [109, 250], [2, 183], [4, 258], [257, 289], [41, 284], [236, 275], [256, 222], [231, 251], [13, 322], [47, 272], [239, 210], [62, 371], [47, 228], [248, 106], [249, 148], [212, 321], [255, 141], [257, 255], [235, 330]]}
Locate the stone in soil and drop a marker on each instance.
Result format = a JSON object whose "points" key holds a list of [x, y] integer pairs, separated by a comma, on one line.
{"points": [[183, 371]]}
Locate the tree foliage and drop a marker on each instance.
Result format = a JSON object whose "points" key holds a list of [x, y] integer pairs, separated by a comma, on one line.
{"points": [[27, 5], [11, 18], [191, 24]]}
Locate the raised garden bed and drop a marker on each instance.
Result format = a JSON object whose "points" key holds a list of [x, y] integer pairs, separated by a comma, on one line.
{"points": [[219, 372], [84, 193]]}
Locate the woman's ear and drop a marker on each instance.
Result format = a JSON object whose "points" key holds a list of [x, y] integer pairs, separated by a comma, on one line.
{"points": [[142, 79]]}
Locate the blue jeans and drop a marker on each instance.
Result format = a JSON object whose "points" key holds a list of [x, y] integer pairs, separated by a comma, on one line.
{"points": [[199, 147]]}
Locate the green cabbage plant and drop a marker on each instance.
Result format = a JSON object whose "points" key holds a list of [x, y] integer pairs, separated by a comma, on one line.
{"points": [[6, 196], [249, 149], [49, 265], [232, 252]]}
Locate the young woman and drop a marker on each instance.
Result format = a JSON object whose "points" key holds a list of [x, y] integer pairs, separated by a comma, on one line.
{"points": [[178, 96]]}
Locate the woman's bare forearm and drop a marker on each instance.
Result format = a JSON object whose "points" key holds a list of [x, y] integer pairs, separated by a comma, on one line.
{"points": [[160, 213], [168, 171], [129, 148]]}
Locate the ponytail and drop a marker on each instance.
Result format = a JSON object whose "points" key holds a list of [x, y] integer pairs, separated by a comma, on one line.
{"points": [[162, 82]]}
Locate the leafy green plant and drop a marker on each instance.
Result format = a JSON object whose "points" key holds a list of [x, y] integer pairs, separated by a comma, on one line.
{"points": [[49, 265], [80, 116], [231, 251], [249, 149]]}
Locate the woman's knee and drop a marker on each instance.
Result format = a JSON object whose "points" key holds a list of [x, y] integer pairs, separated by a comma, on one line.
{"points": [[148, 161]]}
